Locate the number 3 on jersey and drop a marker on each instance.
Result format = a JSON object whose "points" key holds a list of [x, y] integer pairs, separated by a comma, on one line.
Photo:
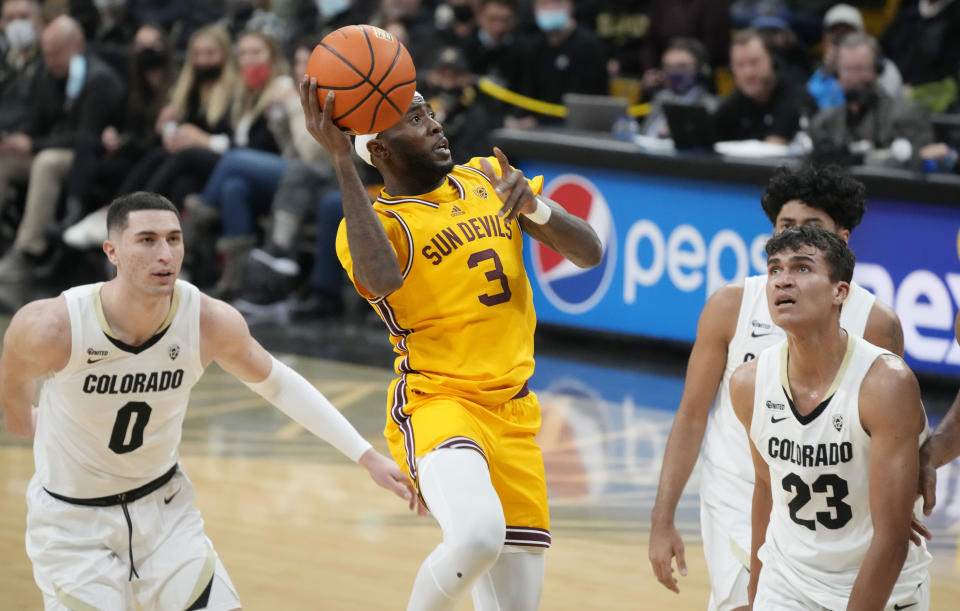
{"points": [[494, 274], [139, 412], [828, 482]]}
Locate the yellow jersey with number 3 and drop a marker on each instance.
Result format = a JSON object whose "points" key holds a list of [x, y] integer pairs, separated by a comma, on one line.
{"points": [[462, 323]]}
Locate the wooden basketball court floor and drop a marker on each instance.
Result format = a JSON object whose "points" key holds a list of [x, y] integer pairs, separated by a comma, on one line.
{"points": [[299, 527]]}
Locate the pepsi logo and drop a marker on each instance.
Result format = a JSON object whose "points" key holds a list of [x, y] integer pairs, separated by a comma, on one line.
{"points": [[570, 289]]}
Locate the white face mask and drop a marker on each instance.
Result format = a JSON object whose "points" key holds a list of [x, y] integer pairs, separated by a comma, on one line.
{"points": [[21, 34], [330, 8]]}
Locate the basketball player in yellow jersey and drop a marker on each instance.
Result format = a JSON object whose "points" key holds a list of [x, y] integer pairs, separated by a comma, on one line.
{"points": [[439, 256]]}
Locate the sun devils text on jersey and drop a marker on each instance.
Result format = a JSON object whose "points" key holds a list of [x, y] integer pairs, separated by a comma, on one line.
{"points": [[463, 320]]}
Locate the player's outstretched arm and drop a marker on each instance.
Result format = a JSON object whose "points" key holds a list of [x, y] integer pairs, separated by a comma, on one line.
{"points": [[375, 264], [541, 218], [940, 448], [742, 386], [36, 343], [226, 339], [708, 359], [891, 413]]}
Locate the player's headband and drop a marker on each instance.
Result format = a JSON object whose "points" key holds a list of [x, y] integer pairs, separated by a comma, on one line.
{"points": [[360, 142]]}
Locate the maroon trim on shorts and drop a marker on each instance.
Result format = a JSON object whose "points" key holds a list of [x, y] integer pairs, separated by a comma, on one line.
{"points": [[462, 443], [524, 535]]}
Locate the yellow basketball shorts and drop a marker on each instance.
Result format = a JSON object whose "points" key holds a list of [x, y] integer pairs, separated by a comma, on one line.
{"points": [[504, 435]]}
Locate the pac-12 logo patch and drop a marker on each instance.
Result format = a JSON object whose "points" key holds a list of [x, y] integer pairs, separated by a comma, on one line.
{"points": [[570, 289], [174, 351], [480, 191], [838, 422]]}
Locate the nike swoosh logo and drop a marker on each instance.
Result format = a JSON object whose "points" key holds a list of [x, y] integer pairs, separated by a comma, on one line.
{"points": [[775, 420], [92, 361], [898, 607], [167, 499], [755, 334]]}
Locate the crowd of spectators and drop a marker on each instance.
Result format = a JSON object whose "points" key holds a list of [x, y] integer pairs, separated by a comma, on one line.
{"points": [[197, 100]]}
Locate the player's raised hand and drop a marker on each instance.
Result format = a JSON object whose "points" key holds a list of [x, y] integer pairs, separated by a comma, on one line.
{"points": [[665, 545], [511, 187], [385, 473], [319, 123]]}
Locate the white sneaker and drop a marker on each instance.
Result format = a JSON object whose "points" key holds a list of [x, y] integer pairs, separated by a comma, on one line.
{"points": [[90, 232]]}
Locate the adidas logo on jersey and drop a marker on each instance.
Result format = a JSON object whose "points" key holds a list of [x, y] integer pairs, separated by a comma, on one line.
{"points": [[772, 405], [456, 211]]}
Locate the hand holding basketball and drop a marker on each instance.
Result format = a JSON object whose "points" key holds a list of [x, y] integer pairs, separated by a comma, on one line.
{"points": [[318, 123], [372, 74], [511, 187]]}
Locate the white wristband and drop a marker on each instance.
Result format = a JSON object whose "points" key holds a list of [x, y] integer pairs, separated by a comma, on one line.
{"points": [[541, 215], [296, 397]]}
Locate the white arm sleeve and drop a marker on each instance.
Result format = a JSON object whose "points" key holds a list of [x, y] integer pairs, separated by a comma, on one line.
{"points": [[299, 399]]}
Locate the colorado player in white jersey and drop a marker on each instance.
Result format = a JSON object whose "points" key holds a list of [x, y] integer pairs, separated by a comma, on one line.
{"points": [[734, 327], [110, 517], [835, 425]]}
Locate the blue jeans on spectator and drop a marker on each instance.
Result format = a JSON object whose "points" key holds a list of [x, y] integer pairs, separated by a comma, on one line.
{"points": [[326, 274], [242, 187]]}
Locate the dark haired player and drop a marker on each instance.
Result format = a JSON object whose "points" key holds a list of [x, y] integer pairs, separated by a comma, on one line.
{"points": [[835, 425], [439, 256], [111, 522], [734, 327]]}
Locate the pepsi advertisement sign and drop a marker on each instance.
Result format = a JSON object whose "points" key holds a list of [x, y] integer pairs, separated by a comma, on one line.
{"points": [[670, 243]]}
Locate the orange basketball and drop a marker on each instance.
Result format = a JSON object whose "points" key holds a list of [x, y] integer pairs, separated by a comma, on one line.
{"points": [[371, 73]]}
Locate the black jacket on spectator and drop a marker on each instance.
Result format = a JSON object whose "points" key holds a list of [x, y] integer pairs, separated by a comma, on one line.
{"points": [[925, 50], [624, 27], [55, 122], [17, 81], [706, 20], [546, 72], [742, 118]]}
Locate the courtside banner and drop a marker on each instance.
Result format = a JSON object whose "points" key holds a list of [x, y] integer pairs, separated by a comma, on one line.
{"points": [[670, 243]]}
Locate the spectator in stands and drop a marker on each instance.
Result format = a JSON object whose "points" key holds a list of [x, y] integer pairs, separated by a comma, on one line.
{"points": [[624, 27], [763, 106], [489, 51], [840, 20], [792, 56], [75, 94], [102, 163], [334, 14], [870, 119], [705, 20], [116, 24], [456, 25], [195, 126], [686, 72], [253, 15], [564, 57], [19, 64], [448, 88], [416, 20], [922, 40], [268, 133]]}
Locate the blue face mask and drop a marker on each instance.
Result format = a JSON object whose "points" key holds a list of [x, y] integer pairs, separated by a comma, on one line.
{"points": [[681, 82], [553, 20], [78, 72], [330, 8]]}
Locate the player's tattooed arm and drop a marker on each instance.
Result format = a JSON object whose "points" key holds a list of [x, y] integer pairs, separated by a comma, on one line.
{"points": [[541, 218], [36, 343], [891, 413], [375, 263], [883, 328]]}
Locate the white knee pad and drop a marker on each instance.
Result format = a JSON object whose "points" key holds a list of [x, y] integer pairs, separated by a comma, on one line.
{"points": [[456, 486]]}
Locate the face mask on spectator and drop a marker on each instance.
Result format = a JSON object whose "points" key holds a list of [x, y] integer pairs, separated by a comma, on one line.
{"points": [[207, 73], [21, 34], [681, 82], [864, 97], [329, 8], [78, 72], [150, 58], [552, 21], [255, 76]]}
